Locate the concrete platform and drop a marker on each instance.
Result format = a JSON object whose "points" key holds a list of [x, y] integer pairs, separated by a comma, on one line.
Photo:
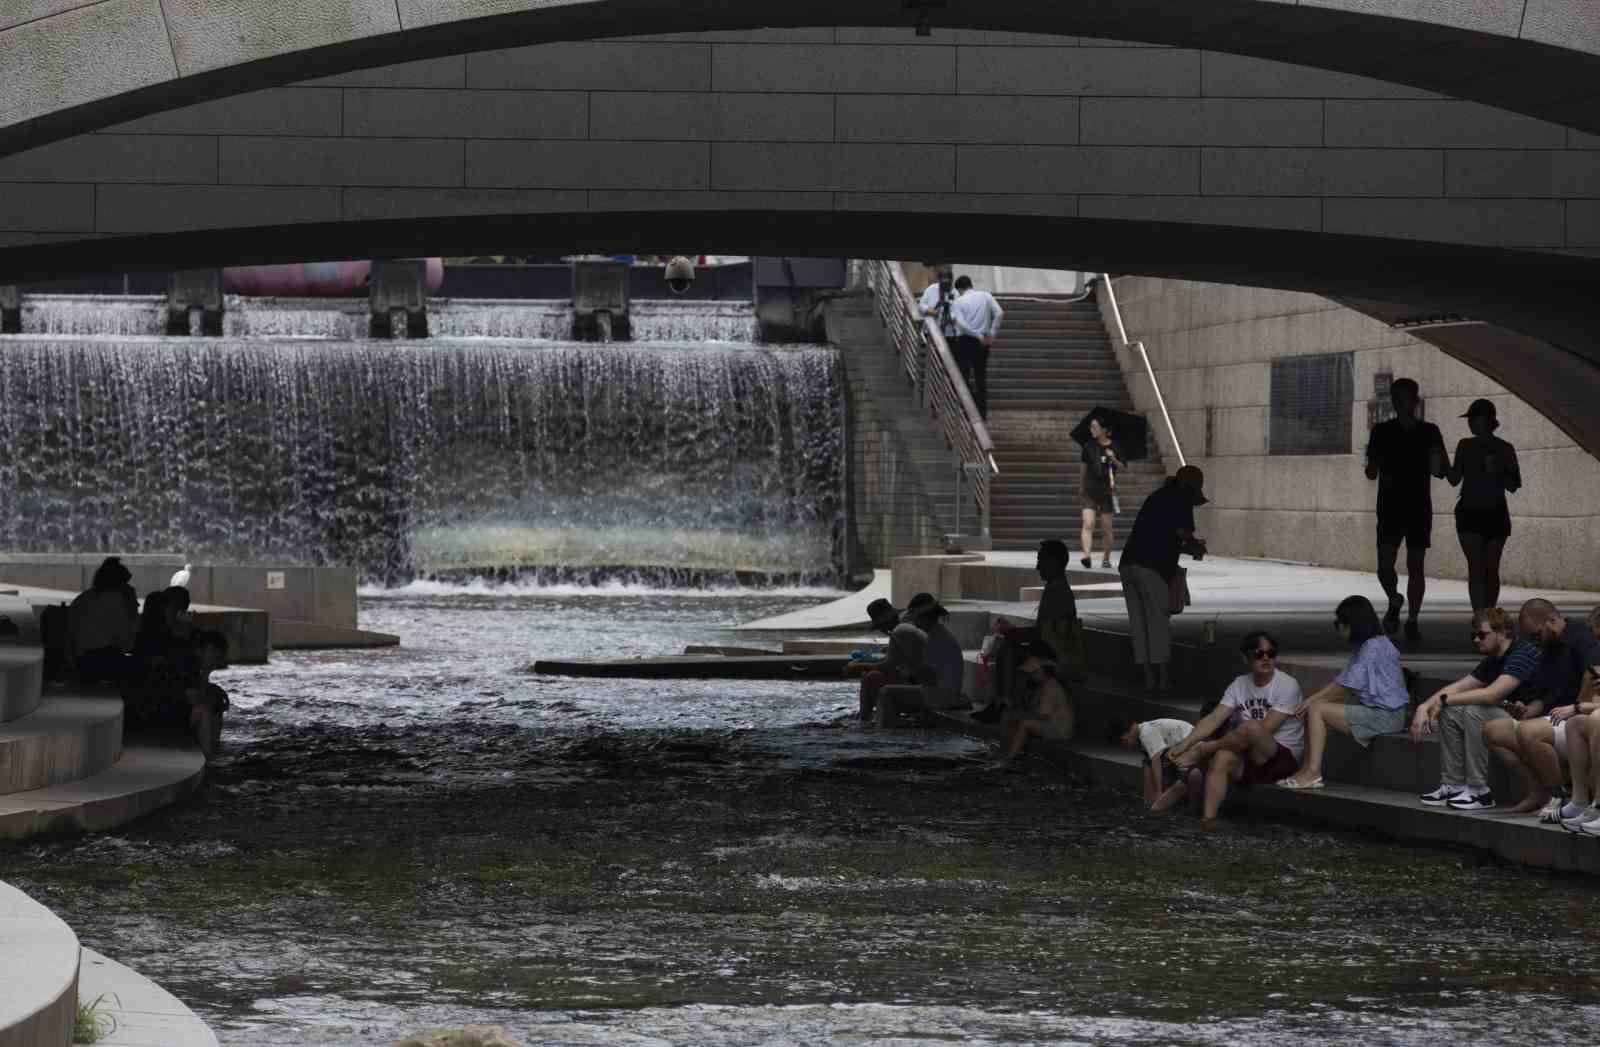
{"points": [[828, 667], [142, 1013], [289, 634], [146, 778], [38, 973], [63, 740]]}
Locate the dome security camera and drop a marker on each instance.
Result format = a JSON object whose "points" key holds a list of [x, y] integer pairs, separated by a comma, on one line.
{"points": [[680, 274]]}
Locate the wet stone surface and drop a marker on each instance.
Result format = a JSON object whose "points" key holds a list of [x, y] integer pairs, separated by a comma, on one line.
{"points": [[434, 836]]}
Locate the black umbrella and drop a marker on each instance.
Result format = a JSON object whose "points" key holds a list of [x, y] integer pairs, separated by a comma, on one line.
{"points": [[1128, 431]]}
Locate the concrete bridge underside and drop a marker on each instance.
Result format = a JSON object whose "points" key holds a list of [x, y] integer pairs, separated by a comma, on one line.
{"points": [[991, 145], [75, 65]]}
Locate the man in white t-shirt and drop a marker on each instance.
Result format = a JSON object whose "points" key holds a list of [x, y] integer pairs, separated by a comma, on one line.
{"points": [[1266, 740]]}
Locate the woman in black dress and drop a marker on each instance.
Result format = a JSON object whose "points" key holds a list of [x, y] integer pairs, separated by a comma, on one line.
{"points": [[1099, 486], [1486, 468]]}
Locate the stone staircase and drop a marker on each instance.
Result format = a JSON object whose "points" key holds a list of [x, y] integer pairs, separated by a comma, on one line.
{"points": [[903, 472], [63, 765], [1052, 363]]}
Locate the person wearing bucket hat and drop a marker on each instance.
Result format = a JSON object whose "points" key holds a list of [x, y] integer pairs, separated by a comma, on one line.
{"points": [[1486, 470], [1162, 531]]}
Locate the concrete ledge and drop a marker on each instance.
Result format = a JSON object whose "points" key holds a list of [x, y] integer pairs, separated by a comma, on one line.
{"points": [[63, 740], [39, 969], [21, 676], [146, 1015], [146, 779], [288, 634]]}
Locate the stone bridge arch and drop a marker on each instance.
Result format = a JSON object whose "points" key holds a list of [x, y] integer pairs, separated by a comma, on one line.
{"points": [[75, 65]]}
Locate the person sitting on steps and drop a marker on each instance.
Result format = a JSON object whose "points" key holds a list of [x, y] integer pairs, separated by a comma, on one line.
{"points": [[884, 618], [1538, 745], [1056, 624], [1368, 698], [1266, 740], [102, 625], [1459, 711], [940, 685], [1042, 709], [906, 663]]}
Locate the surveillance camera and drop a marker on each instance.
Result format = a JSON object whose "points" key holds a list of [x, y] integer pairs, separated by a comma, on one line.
{"points": [[680, 274]]}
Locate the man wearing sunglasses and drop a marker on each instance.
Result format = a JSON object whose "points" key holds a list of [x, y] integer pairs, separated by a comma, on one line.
{"points": [[1267, 739], [1496, 690]]}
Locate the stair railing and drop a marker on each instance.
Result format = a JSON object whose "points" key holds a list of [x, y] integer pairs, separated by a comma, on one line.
{"points": [[932, 369], [1122, 336]]}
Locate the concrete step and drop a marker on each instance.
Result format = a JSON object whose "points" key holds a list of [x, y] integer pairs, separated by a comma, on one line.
{"points": [[21, 676], [146, 778], [144, 1013], [65, 739], [39, 969]]}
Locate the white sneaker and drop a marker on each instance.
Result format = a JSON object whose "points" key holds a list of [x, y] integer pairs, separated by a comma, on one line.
{"points": [[1587, 814], [1440, 796], [1551, 813]]}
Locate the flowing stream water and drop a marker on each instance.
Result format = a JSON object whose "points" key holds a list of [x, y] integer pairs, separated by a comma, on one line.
{"points": [[431, 835]]}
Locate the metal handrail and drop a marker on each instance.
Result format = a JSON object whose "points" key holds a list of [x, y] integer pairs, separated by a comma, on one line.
{"points": [[1122, 335], [931, 367]]}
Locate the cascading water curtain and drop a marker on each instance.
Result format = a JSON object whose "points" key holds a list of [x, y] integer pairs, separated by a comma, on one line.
{"points": [[415, 460]]}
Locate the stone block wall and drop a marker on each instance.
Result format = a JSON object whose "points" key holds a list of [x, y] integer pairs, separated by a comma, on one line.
{"points": [[1212, 348]]}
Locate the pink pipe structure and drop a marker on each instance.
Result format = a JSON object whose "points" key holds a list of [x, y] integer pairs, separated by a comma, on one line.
{"points": [[312, 279]]}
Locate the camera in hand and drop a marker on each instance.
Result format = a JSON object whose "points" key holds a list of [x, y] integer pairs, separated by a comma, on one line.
{"points": [[1195, 547]]}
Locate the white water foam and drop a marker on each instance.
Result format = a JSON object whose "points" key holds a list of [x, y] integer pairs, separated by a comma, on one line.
{"points": [[480, 587]]}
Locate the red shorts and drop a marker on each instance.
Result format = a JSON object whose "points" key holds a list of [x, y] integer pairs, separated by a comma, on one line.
{"points": [[1280, 766]]}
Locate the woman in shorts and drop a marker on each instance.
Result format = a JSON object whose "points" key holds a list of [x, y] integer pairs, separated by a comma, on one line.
{"points": [[1368, 698], [1099, 489], [1485, 467]]}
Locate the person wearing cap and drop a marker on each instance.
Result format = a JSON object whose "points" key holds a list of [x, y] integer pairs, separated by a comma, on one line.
{"points": [[1402, 453], [1486, 470], [884, 618], [939, 681], [1163, 529], [904, 665]]}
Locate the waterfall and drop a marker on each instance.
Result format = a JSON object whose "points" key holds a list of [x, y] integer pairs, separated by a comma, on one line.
{"points": [[348, 319], [427, 458]]}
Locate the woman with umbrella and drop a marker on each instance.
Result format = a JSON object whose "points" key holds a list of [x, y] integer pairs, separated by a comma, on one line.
{"points": [[1101, 459]]}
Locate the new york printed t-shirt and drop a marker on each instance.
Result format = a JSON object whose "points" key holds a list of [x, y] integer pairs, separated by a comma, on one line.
{"points": [[1282, 692]]}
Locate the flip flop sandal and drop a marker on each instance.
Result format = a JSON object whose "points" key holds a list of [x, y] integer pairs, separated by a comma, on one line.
{"points": [[1291, 783]]}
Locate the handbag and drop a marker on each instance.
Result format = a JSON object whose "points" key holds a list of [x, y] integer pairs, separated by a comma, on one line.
{"points": [[1178, 591]]}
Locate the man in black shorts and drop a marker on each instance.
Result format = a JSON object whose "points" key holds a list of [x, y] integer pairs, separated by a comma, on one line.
{"points": [[1402, 454]]}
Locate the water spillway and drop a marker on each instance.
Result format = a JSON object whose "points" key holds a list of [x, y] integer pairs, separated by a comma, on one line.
{"points": [[446, 457]]}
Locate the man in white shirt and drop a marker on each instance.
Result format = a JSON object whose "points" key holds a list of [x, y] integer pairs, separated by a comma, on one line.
{"points": [[977, 318], [1267, 740], [937, 301]]}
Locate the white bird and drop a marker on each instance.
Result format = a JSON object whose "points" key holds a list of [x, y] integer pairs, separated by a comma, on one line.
{"points": [[181, 578]]}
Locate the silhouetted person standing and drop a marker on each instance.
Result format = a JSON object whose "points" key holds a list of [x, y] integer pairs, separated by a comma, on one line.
{"points": [[1402, 454], [977, 318], [1486, 468]]}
